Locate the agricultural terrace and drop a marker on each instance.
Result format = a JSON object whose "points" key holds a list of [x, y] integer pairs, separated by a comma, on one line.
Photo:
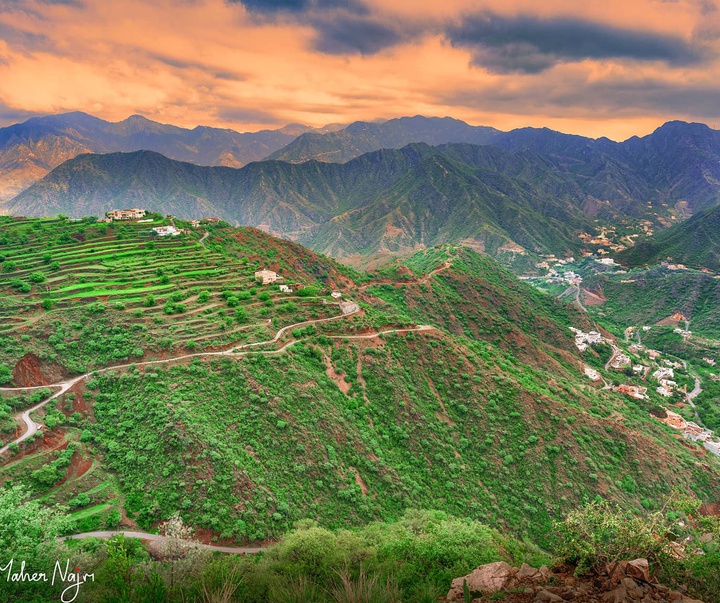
{"points": [[80, 295]]}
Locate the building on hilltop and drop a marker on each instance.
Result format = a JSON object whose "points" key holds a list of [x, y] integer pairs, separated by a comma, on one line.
{"points": [[166, 231], [267, 276], [126, 214]]}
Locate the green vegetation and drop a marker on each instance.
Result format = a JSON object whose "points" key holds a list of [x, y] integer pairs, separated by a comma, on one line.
{"points": [[486, 416], [121, 295]]}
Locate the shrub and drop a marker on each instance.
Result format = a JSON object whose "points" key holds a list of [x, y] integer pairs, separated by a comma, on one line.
{"points": [[598, 534], [5, 374], [37, 277]]}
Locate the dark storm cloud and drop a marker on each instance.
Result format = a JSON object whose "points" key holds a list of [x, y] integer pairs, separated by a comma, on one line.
{"points": [[531, 45], [342, 27], [562, 97], [347, 34], [298, 6]]}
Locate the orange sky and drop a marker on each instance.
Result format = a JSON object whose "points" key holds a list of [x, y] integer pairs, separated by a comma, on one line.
{"points": [[613, 68]]}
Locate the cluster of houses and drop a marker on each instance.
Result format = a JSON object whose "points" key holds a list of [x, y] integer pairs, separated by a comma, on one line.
{"points": [[664, 376], [691, 431], [583, 340], [551, 259]]}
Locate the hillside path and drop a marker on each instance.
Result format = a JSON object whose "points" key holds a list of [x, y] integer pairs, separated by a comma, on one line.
{"points": [[32, 427], [105, 534]]}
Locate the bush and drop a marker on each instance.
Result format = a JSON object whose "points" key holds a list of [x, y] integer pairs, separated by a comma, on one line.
{"points": [[37, 277], [598, 534], [47, 304], [5, 374], [309, 292]]}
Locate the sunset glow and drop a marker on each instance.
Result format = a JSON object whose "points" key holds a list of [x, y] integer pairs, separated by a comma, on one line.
{"points": [[595, 68]]}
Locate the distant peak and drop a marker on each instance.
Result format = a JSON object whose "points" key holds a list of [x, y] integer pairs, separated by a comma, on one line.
{"points": [[137, 118]]}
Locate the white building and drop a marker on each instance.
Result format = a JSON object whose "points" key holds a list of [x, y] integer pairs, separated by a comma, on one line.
{"points": [[166, 231], [592, 374], [336, 295], [285, 289], [663, 373]]}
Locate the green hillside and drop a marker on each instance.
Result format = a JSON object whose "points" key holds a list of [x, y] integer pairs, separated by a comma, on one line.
{"points": [[646, 297], [448, 385], [695, 242]]}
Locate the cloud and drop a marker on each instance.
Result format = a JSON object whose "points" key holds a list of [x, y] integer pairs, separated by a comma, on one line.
{"points": [[570, 96], [298, 6], [247, 115], [354, 35], [528, 44]]}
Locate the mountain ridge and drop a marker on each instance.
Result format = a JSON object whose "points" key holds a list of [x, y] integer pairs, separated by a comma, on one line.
{"points": [[31, 149]]}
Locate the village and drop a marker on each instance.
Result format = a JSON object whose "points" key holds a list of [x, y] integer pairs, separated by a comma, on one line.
{"points": [[660, 371]]}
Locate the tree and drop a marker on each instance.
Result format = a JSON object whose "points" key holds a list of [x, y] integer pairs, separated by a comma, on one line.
{"points": [[28, 529], [5, 374]]}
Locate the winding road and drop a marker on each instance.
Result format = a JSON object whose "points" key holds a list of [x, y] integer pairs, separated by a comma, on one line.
{"points": [[692, 395], [32, 427], [105, 534]]}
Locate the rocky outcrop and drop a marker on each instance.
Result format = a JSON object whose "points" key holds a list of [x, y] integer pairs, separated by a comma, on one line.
{"points": [[31, 371], [621, 582]]}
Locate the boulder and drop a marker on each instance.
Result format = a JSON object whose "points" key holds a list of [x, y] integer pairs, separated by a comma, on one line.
{"points": [[527, 572], [638, 569], [617, 595], [545, 596], [489, 578]]}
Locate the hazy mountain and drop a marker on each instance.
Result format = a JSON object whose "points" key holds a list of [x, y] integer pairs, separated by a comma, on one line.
{"points": [[31, 149], [695, 242], [362, 137], [678, 162], [388, 200]]}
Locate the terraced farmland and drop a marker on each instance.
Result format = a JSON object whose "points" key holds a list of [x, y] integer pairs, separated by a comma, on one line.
{"points": [[83, 294]]}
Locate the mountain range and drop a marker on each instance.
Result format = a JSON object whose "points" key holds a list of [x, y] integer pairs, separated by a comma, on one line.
{"points": [[353, 192], [384, 201], [678, 161], [31, 149]]}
